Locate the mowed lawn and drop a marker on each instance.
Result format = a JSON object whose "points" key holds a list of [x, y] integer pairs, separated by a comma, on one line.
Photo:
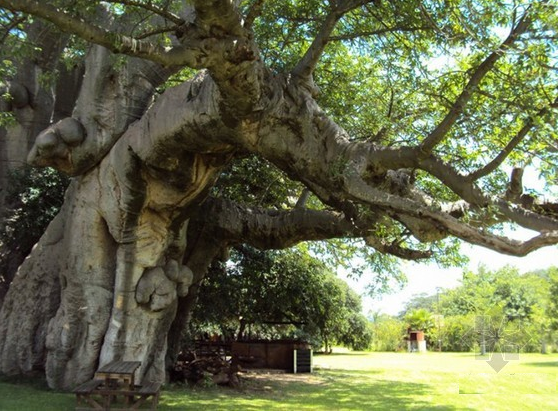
{"points": [[353, 381]]}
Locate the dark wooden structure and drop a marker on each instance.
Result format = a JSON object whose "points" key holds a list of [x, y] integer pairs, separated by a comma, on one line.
{"points": [[114, 388], [267, 354], [205, 348]]}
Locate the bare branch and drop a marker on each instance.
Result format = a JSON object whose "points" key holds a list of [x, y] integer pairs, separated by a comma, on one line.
{"points": [[438, 134], [301, 202], [273, 229], [506, 151], [307, 64], [363, 192], [529, 219], [541, 218], [161, 30]]}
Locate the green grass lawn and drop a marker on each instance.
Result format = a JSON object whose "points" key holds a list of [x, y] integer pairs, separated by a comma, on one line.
{"points": [[353, 381]]}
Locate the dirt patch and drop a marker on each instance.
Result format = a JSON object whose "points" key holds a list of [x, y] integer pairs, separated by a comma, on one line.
{"points": [[270, 380]]}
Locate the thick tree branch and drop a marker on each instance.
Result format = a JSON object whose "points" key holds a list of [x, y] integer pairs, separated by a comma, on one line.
{"points": [[262, 228], [160, 30], [466, 189], [191, 55], [438, 134], [307, 64], [254, 12], [396, 250], [219, 16], [273, 229], [363, 192]]}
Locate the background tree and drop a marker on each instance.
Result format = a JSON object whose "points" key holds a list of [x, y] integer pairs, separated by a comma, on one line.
{"points": [[280, 295], [512, 308], [388, 333], [420, 319], [402, 121], [421, 301], [33, 198], [553, 306]]}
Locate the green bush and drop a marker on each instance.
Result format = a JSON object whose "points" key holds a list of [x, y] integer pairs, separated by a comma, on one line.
{"points": [[389, 334], [33, 198], [457, 333]]}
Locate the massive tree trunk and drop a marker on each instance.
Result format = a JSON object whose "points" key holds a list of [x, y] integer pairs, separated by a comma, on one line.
{"points": [[35, 103], [107, 278]]}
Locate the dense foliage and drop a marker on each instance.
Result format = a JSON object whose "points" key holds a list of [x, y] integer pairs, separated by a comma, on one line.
{"points": [[411, 61], [503, 308], [34, 197], [280, 295]]}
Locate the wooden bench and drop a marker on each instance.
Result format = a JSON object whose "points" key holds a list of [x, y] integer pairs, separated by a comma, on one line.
{"points": [[83, 393], [144, 392], [134, 398]]}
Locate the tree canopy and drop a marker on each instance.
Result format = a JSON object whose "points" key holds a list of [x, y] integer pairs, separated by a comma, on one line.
{"points": [[392, 129], [433, 104], [280, 294]]}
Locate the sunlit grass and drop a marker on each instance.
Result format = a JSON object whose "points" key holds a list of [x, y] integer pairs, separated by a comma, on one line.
{"points": [[354, 381]]}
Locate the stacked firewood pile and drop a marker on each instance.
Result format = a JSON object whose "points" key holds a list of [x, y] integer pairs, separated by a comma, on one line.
{"points": [[202, 370]]}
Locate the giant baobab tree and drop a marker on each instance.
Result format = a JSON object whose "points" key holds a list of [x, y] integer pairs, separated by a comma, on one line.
{"points": [[402, 124]]}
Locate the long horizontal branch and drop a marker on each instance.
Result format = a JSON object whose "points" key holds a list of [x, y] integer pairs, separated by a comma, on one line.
{"points": [[266, 229], [371, 33], [453, 226], [396, 250], [117, 43], [382, 158], [273, 229], [463, 186]]}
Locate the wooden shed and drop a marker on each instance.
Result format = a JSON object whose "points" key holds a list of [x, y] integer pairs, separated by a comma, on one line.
{"points": [[267, 354]]}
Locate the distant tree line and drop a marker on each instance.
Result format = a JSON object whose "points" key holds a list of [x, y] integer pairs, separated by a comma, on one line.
{"points": [[490, 311]]}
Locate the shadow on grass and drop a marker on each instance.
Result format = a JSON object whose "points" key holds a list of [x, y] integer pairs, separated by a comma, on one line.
{"points": [[21, 393], [35, 382], [542, 364], [341, 354], [331, 390]]}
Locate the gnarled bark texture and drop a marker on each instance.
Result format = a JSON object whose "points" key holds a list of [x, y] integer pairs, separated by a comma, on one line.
{"points": [[118, 270]]}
